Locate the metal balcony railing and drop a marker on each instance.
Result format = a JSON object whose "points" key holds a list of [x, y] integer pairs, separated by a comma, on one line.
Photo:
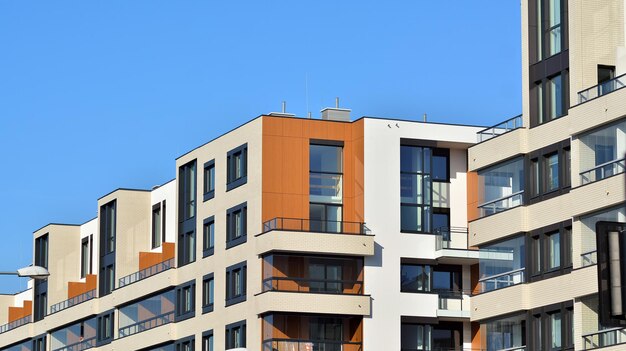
{"points": [[602, 171], [314, 225], [500, 128], [73, 301], [451, 238], [453, 300], [310, 345], [602, 89], [501, 204], [79, 346], [308, 285], [17, 323], [502, 280], [146, 272], [147, 324], [589, 258], [604, 338]]}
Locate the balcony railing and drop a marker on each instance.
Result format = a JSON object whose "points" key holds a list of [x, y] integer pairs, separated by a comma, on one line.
{"points": [[325, 187], [500, 128], [146, 272], [589, 258], [602, 171], [310, 345], [314, 225], [73, 301], [16, 323], [502, 280], [453, 300], [501, 204], [308, 285], [602, 89], [604, 338], [451, 238], [79, 346], [147, 324]]}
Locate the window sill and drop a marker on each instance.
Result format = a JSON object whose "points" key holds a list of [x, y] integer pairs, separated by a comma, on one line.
{"points": [[208, 196], [208, 252], [236, 242], [236, 183], [235, 300], [207, 308]]}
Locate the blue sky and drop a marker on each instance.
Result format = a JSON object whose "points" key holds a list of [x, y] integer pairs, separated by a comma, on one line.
{"points": [[96, 95]]}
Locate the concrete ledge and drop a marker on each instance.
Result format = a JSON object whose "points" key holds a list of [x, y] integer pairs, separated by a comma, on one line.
{"points": [[312, 242], [277, 301]]}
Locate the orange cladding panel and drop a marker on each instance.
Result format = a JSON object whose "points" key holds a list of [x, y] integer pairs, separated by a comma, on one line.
{"points": [[16, 313], [472, 196]]}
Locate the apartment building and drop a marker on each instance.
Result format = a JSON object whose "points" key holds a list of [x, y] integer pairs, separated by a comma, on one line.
{"points": [[543, 183], [283, 234]]}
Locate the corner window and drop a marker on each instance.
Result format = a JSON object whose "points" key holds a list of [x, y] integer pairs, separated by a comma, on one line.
{"points": [[602, 153], [237, 167], [157, 221], [550, 98], [208, 236], [207, 341], [209, 180], [236, 225], [236, 335], [236, 283], [506, 333], [185, 300], [208, 293]]}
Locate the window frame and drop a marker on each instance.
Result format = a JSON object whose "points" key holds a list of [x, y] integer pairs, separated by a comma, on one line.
{"points": [[186, 341], [231, 284], [540, 265], [232, 181], [231, 240], [104, 320], [209, 180], [156, 209], [207, 248], [181, 313], [229, 330], [208, 335], [538, 158], [425, 279], [206, 305], [85, 260]]}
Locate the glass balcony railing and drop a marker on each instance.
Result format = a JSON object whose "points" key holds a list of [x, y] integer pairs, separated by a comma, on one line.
{"points": [[314, 225], [145, 273], [17, 323], [589, 258], [602, 171], [309, 285], [147, 324], [604, 338], [453, 300], [79, 346], [500, 128], [501, 204], [325, 187], [73, 301], [602, 89], [451, 238], [310, 345], [502, 280]]}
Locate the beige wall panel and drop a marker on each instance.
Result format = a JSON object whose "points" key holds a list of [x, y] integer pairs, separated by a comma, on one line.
{"points": [[313, 303], [497, 149], [341, 244], [503, 301], [144, 339], [497, 226], [594, 113]]}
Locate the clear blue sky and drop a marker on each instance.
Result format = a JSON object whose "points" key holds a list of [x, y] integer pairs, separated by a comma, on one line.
{"points": [[96, 95]]}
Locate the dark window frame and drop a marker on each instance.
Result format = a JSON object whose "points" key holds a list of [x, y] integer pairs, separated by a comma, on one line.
{"points": [[231, 298], [207, 249], [186, 341], [206, 305], [42, 250], [39, 340], [85, 262], [181, 301], [231, 181], [101, 337], [230, 329], [426, 283], [231, 240], [208, 193], [187, 254], [156, 208], [541, 237], [205, 337], [539, 333], [539, 156]]}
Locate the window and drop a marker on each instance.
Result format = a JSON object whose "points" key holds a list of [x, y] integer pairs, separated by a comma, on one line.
{"points": [[41, 251], [555, 331], [554, 250], [496, 272], [236, 335], [106, 275], [209, 180], [208, 293], [185, 300], [550, 253], [606, 84], [85, 257], [186, 344], [208, 236], [236, 225], [551, 327], [41, 303], [552, 172], [415, 277], [554, 27], [549, 28], [549, 171], [157, 235], [236, 283], [535, 185], [79, 335], [551, 99], [602, 153], [506, 333], [39, 343], [237, 171], [555, 97], [567, 167], [207, 341], [108, 279], [325, 218], [442, 336], [326, 186], [107, 226], [187, 190], [441, 165], [105, 328], [186, 247], [501, 187]]}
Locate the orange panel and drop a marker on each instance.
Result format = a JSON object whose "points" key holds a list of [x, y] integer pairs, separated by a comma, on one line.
{"points": [[477, 342], [472, 196], [149, 259], [474, 272], [91, 281], [169, 251], [16, 313]]}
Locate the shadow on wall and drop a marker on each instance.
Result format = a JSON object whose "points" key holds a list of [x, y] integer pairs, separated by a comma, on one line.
{"points": [[377, 259]]}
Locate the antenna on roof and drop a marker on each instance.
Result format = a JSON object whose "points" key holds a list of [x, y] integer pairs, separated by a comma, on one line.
{"points": [[425, 117]]}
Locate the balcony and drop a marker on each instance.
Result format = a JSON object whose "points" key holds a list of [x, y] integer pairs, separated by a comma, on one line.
{"points": [[500, 128], [17, 323], [147, 324], [145, 273], [79, 346], [501, 204], [502, 280], [57, 307], [306, 345], [454, 304], [602, 171], [604, 338], [308, 285], [602, 89], [589, 258], [313, 225]]}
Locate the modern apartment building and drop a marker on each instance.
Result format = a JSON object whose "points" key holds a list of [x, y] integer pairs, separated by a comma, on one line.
{"points": [[283, 234], [541, 183]]}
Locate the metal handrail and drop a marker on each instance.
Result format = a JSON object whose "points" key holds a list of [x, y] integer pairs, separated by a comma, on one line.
{"points": [[147, 324], [323, 226], [501, 199], [613, 84], [57, 307], [500, 128], [601, 167], [16, 323], [587, 258], [444, 236], [303, 344], [603, 331], [79, 346], [501, 274], [309, 280], [146, 272]]}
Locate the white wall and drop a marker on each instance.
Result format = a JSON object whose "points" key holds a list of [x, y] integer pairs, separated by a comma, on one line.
{"points": [[167, 192]]}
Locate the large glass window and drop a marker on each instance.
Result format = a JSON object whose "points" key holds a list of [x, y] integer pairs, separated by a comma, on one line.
{"points": [[442, 336], [415, 277], [501, 187], [147, 314], [601, 152], [554, 26], [507, 333], [502, 264], [325, 188]]}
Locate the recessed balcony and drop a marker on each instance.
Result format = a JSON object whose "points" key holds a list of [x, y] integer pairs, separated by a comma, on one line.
{"points": [[601, 89]]}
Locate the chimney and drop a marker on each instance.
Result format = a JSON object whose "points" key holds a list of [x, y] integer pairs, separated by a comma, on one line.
{"points": [[336, 113], [283, 113]]}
